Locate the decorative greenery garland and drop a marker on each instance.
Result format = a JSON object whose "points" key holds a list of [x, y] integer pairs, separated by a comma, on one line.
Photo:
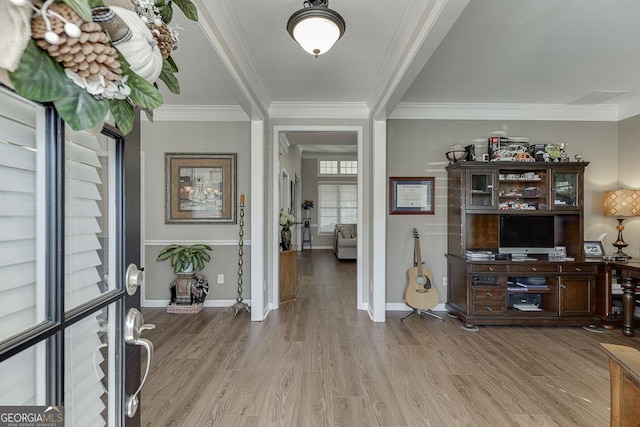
{"points": [[39, 77]]}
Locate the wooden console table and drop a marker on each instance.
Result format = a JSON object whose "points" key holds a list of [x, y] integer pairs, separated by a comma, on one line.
{"points": [[629, 275], [288, 275], [624, 368]]}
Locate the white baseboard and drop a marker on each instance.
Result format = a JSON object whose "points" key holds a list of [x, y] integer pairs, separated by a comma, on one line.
{"points": [[400, 306], [208, 303]]}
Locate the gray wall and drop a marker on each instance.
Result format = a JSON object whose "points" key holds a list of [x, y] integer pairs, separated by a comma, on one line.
{"points": [[417, 148], [629, 177], [290, 163], [194, 137]]}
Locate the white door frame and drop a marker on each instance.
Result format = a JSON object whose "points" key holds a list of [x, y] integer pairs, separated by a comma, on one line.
{"points": [[275, 201]]}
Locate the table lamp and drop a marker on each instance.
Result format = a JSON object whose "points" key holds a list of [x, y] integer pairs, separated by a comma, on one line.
{"points": [[621, 203]]}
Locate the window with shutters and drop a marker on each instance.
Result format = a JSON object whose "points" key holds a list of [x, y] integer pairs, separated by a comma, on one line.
{"points": [[337, 204], [46, 323], [22, 222]]}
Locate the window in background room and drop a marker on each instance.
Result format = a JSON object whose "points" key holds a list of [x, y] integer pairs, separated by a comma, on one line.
{"points": [[337, 204], [328, 167], [348, 167], [337, 167]]}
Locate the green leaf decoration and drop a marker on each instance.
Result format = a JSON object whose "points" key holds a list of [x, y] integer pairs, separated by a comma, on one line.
{"points": [[79, 109], [123, 113], [169, 78], [95, 3], [81, 7], [173, 64], [38, 77], [165, 10], [143, 93], [149, 114], [188, 8]]}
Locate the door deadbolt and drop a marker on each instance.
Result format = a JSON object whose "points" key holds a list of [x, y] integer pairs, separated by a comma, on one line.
{"points": [[134, 278]]}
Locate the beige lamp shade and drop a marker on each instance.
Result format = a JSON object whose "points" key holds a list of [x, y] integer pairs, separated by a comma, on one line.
{"points": [[621, 203]]}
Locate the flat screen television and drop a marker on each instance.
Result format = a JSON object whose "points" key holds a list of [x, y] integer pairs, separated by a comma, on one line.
{"points": [[526, 234]]}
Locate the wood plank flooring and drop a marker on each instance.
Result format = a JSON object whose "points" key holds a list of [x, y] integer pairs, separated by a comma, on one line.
{"points": [[318, 361]]}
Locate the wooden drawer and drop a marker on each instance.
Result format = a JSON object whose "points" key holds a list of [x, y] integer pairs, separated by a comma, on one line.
{"points": [[548, 268], [579, 268], [488, 295], [488, 268], [488, 309]]}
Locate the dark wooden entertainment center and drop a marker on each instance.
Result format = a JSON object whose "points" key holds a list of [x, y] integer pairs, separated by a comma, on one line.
{"points": [[488, 291]]}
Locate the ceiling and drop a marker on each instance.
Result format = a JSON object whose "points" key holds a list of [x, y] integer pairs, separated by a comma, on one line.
{"points": [[435, 58]]}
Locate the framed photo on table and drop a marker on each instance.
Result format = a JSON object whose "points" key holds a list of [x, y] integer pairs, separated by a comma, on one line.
{"points": [[593, 249], [411, 195], [200, 188]]}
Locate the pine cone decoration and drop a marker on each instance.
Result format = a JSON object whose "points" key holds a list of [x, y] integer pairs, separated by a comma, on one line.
{"points": [[163, 36], [89, 56]]}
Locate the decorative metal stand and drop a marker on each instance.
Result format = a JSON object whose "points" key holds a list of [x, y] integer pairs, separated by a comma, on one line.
{"points": [[240, 304]]}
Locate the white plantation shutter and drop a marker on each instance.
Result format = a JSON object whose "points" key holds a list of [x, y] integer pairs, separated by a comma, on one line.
{"points": [[21, 250], [337, 204], [83, 376], [23, 254], [84, 264], [85, 261]]}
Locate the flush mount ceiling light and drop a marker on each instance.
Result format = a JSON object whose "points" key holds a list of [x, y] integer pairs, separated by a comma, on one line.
{"points": [[316, 27]]}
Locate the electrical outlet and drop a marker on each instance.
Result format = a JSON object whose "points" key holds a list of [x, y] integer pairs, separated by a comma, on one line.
{"points": [[445, 281], [220, 279]]}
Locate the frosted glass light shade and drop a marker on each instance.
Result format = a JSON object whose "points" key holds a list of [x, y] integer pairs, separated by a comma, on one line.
{"points": [[316, 28], [316, 35]]}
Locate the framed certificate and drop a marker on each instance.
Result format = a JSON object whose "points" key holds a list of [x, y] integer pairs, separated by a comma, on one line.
{"points": [[411, 195]]}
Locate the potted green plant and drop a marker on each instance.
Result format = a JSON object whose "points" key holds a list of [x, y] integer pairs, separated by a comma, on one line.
{"points": [[186, 259]]}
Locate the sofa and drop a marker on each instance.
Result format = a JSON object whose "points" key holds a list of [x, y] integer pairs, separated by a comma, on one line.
{"points": [[345, 241]]}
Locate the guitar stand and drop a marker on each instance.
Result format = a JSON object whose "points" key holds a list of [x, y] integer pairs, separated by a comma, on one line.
{"points": [[420, 311]]}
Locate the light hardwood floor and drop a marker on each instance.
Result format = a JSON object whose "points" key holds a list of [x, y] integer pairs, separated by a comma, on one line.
{"points": [[318, 361]]}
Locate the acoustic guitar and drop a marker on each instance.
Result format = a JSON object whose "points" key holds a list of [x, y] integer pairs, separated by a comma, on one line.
{"points": [[420, 293]]}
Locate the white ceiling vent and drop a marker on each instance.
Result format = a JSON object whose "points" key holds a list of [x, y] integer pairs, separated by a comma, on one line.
{"points": [[596, 97]]}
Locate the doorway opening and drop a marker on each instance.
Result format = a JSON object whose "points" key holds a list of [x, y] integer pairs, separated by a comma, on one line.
{"points": [[346, 139]]}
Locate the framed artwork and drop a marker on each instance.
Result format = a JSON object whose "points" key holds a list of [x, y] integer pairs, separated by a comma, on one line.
{"points": [[200, 188], [593, 249], [411, 195]]}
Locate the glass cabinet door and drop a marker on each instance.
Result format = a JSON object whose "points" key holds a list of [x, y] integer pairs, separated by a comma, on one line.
{"points": [[565, 190], [481, 191]]}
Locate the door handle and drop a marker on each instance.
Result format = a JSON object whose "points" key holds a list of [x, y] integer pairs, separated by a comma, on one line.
{"points": [[132, 330], [133, 279]]}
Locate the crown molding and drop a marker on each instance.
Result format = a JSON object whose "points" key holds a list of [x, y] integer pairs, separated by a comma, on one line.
{"points": [[284, 143], [628, 110], [460, 111], [198, 113], [410, 50], [225, 35], [319, 110]]}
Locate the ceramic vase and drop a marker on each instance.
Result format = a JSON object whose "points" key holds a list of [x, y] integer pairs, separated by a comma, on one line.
{"points": [[285, 238]]}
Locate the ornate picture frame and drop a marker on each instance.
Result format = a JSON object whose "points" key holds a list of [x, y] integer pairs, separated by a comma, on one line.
{"points": [[200, 188], [411, 195]]}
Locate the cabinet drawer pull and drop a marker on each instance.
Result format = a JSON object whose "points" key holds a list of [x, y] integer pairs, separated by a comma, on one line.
{"points": [[578, 269], [563, 286], [534, 269], [489, 294], [489, 308], [490, 268]]}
